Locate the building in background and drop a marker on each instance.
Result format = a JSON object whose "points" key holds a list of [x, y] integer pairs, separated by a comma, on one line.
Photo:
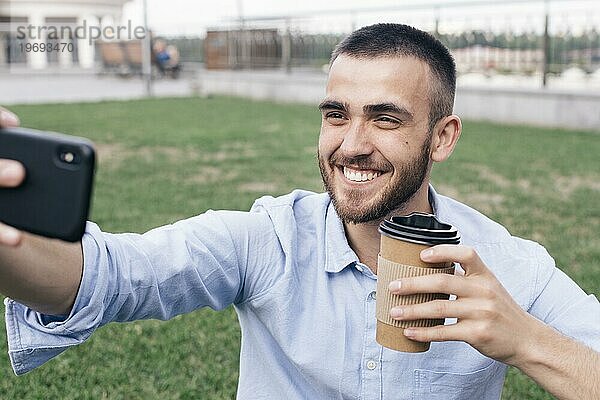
{"points": [[15, 14], [252, 48]]}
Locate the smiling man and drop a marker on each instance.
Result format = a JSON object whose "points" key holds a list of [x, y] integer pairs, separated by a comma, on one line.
{"points": [[301, 269], [374, 147]]}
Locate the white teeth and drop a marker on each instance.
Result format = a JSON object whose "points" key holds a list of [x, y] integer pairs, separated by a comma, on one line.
{"points": [[359, 177]]}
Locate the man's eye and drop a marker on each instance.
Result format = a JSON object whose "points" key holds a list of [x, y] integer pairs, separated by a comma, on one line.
{"points": [[335, 118], [334, 115], [387, 121]]}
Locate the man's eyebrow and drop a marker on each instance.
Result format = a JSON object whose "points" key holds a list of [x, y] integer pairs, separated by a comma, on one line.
{"points": [[387, 108], [333, 105]]}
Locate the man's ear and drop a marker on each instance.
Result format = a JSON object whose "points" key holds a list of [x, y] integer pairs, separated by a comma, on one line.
{"points": [[445, 136]]}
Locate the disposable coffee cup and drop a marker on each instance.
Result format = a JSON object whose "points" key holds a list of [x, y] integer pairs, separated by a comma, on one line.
{"points": [[402, 240]]}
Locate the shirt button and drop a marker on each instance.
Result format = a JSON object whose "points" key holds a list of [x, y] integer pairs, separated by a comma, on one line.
{"points": [[371, 365], [358, 268], [373, 295]]}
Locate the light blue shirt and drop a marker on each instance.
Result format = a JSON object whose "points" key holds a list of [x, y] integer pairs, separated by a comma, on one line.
{"points": [[306, 305]]}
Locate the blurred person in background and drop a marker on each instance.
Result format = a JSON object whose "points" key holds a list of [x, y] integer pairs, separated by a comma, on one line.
{"points": [[166, 58]]}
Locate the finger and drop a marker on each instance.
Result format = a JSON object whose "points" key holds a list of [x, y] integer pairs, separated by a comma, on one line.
{"points": [[8, 119], [10, 236], [12, 173], [435, 283], [439, 333], [435, 309], [466, 256]]}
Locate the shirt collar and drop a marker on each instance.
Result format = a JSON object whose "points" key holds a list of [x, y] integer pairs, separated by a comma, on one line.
{"points": [[338, 253], [432, 196]]}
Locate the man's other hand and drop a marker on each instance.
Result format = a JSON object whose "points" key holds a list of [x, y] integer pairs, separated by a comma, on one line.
{"points": [[488, 317]]}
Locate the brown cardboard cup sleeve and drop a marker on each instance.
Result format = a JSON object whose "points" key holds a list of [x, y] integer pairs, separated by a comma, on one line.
{"points": [[388, 271]]}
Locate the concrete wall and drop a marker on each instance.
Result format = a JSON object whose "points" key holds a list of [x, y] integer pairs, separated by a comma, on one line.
{"points": [[541, 107], [297, 87]]}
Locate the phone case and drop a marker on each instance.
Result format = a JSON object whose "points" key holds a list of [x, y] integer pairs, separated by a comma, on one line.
{"points": [[54, 199]]}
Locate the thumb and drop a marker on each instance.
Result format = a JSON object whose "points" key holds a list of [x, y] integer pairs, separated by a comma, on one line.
{"points": [[8, 119], [10, 236]]}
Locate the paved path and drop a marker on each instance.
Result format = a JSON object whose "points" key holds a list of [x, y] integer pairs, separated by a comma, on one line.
{"points": [[30, 88]]}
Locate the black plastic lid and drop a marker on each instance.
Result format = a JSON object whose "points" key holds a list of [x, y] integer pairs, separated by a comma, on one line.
{"points": [[420, 228]]}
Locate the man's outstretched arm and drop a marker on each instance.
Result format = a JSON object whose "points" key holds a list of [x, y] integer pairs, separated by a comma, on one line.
{"points": [[41, 273], [493, 323]]}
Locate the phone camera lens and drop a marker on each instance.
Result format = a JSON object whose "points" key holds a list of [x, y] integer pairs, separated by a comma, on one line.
{"points": [[67, 157]]}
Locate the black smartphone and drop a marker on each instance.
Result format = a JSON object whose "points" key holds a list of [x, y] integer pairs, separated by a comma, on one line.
{"points": [[54, 199]]}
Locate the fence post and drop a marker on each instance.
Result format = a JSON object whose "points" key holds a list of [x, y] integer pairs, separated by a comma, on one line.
{"points": [[4, 38], [147, 53], [286, 48], [243, 60], [546, 44], [244, 38], [232, 59], [436, 33]]}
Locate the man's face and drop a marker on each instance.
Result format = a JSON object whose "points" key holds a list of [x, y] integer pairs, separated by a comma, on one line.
{"points": [[374, 146]]}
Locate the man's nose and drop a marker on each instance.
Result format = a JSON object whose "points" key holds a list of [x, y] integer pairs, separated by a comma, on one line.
{"points": [[356, 141]]}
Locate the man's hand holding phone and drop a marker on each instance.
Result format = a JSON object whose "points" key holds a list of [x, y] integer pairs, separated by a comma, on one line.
{"points": [[12, 173], [46, 182], [42, 273]]}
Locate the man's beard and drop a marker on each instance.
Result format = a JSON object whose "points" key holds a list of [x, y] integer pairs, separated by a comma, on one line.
{"points": [[408, 179]]}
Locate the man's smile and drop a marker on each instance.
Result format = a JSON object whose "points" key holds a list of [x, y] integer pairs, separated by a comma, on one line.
{"points": [[356, 175]]}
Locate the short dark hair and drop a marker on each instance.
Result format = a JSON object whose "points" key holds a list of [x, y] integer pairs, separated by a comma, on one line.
{"points": [[390, 40]]}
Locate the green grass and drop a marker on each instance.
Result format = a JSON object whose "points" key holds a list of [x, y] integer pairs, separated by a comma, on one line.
{"points": [[163, 160]]}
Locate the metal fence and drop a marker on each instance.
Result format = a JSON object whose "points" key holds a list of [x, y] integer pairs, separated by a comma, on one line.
{"points": [[517, 37], [525, 37]]}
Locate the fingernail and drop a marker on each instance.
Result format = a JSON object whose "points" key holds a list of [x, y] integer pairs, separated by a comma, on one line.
{"points": [[10, 235], [394, 286], [396, 312], [10, 171], [9, 118], [427, 253], [409, 332]]}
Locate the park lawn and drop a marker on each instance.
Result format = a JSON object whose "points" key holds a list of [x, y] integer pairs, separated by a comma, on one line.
{"points": [[162, 160]]}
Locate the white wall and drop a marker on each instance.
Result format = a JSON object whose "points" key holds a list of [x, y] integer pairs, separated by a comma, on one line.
{"points": [[531, 106], [542, 107]]}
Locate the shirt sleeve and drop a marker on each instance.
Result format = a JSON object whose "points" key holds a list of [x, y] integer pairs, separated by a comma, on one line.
{"points": [[165, 272], [562, 304]]}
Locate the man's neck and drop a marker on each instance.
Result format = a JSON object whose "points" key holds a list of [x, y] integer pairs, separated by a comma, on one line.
{"points": [[364, 238]]}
